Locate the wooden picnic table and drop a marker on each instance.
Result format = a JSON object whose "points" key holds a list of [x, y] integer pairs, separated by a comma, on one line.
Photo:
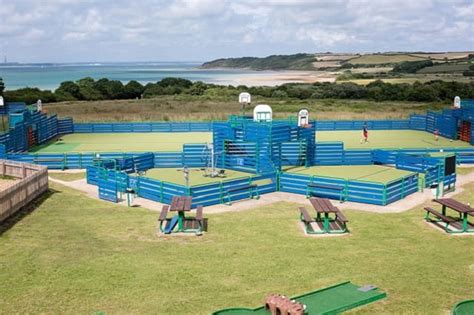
{"points": [[463, 210], [181, 204], [325, 207]]}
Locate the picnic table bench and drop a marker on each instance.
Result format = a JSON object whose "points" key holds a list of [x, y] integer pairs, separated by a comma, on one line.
{"points": [[324, 208], [181, 204], [448, 223]]}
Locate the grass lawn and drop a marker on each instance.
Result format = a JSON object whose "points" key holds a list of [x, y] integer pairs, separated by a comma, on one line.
{"points": [[68, 177], [372, 173], [124, 142], [389, 139], [464, 170], [94, 256], [196, 176]]}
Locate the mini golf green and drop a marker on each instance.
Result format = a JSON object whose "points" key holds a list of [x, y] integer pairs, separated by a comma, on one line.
{"points": [[123, 142], [372, 173], [464, 308], [395, 139], [196, 176], [331, 300]]}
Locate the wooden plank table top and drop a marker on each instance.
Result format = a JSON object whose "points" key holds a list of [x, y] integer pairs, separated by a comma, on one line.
{"points": [[181, 203], [323, 205], [455, 205]]}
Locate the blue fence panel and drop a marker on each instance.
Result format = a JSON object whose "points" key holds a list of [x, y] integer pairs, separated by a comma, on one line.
{"points": [[357, 157], [329, 153], [418, 122], [65, 126], [400, 124], [197, 155], [142, 127], [168, 159]]}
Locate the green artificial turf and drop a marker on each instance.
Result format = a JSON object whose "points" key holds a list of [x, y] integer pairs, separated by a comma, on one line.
{"points": [[74, 254], [372, 173], [389, 139], [123, 142], [330, 300], [143, 142], [196, 176]]}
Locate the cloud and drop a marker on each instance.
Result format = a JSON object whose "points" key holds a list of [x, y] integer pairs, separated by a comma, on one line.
{"points": [[108, 30]]}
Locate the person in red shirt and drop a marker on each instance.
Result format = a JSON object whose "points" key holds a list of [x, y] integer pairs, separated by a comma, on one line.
{"points": [[365, 132], [436, 134]]}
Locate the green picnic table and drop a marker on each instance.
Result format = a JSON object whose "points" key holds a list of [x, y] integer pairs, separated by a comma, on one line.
{"points": [[464, 212], [181, 204], [324, 208]]}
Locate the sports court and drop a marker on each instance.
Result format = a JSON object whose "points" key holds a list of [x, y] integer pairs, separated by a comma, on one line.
{"points": [[392, 139], [123, 142], [371, 173], [173, 141]]}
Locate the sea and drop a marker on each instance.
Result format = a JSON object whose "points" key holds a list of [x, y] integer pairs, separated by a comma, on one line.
{"points": [[48, 76]]}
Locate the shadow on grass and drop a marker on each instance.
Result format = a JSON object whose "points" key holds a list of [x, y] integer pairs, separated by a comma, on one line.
{"points": [[10, 222]]}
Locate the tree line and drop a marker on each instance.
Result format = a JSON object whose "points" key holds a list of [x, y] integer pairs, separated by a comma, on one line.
{"points": [[88, 89]]}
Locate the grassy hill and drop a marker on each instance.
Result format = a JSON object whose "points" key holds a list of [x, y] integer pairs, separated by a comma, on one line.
{"points": [[274, 62]]}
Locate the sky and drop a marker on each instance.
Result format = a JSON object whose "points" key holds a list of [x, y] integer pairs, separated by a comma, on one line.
{"points": [[202, 30]]}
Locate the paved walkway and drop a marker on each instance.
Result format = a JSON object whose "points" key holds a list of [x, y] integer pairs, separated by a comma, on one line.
{"points": [[399, 206]]}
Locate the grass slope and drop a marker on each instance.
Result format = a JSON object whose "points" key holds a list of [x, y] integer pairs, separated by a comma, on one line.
{"points": [[93, 256]]}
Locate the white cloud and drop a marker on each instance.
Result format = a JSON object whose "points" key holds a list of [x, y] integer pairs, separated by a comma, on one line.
{"points": [[72, 30]]}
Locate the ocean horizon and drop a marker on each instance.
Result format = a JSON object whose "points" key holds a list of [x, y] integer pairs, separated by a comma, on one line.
{"points": [[48, 76]]}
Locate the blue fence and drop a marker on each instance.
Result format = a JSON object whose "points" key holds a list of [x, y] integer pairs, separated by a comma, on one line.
{"points": [[110, 183], [12, 107], [142, 127], [192, 158], [233, 190], [401, 124], [349, 190], [333, 153], [433, 168], [65, 126], [29, 129]]}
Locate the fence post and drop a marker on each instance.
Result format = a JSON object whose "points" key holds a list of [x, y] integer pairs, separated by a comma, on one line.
{"points": [[384, 201], [23, 171], [221, 192]]}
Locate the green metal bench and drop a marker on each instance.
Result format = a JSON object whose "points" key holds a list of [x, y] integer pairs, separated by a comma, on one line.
{"points": [[311, 190], [252, 188], [441, 219]]}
